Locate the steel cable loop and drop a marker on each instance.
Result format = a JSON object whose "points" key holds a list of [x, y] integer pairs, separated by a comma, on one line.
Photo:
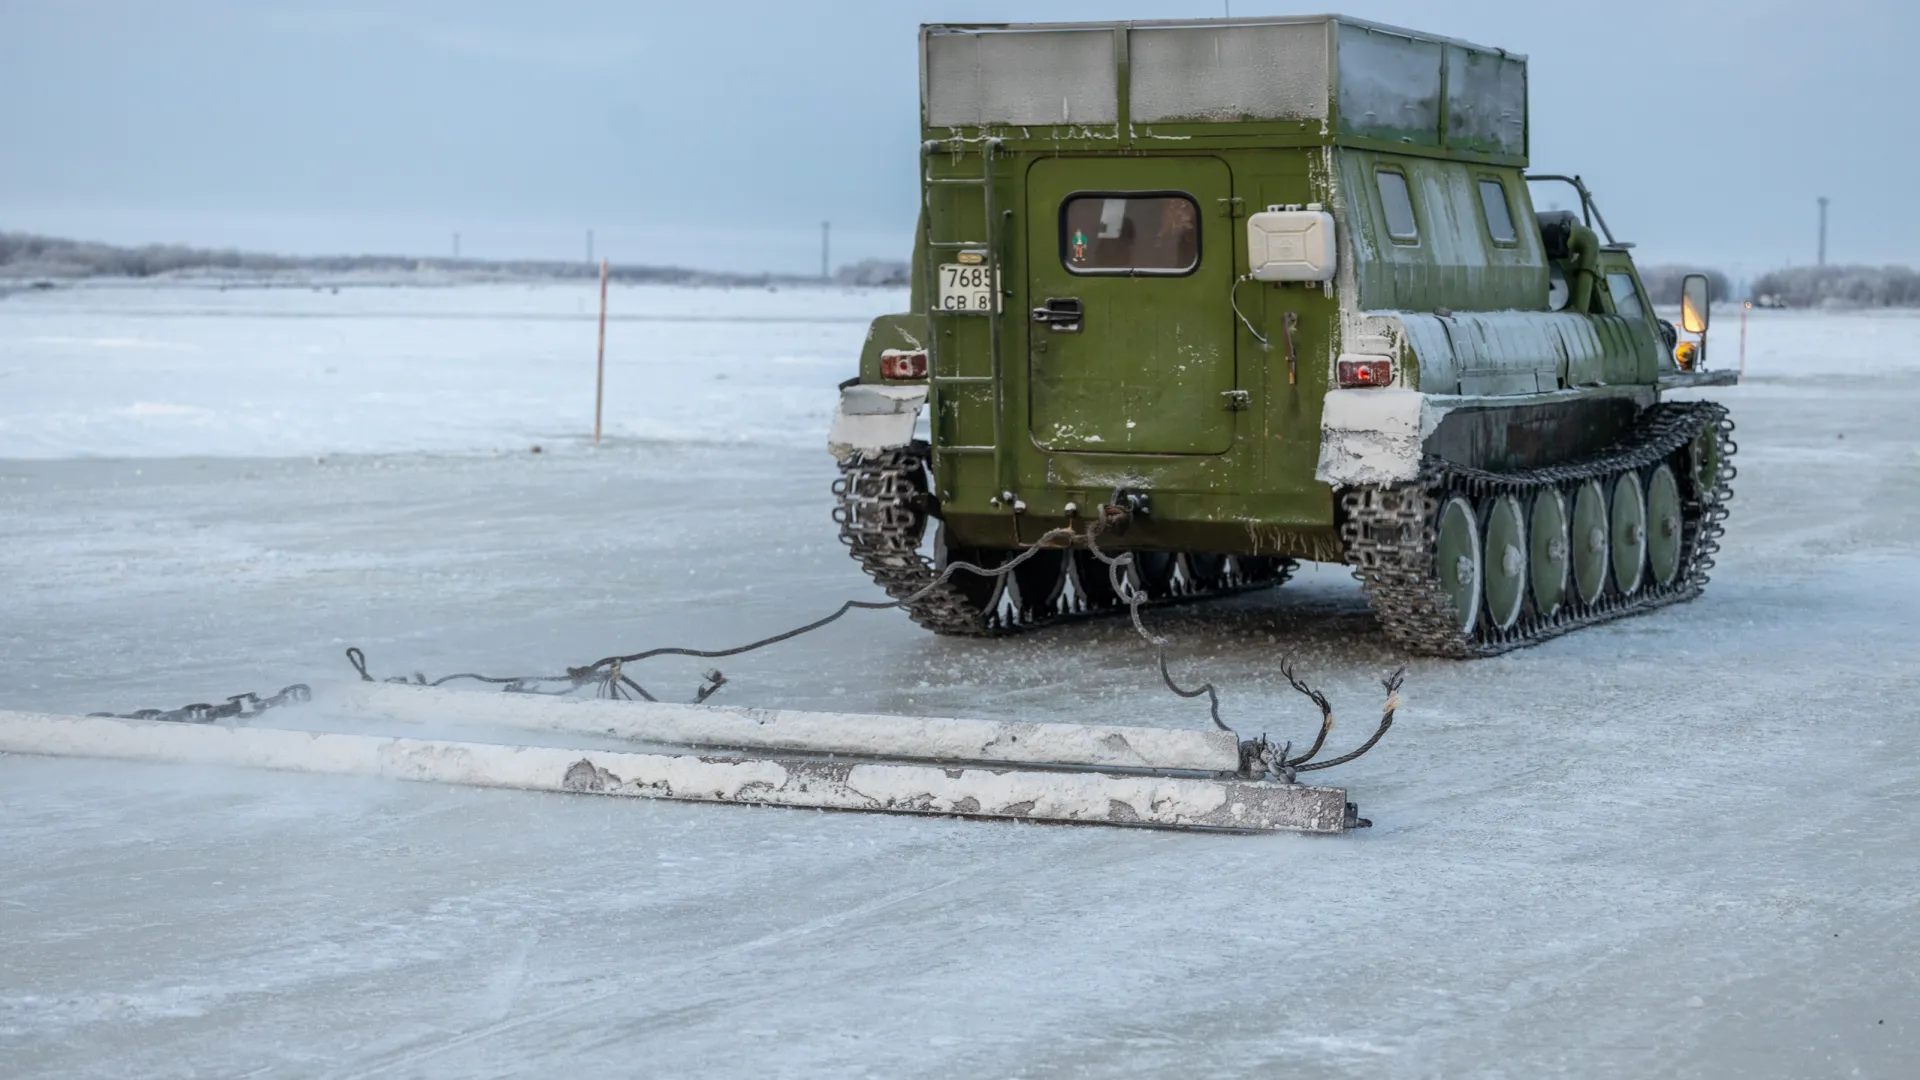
{"points": [[1326, 715], [1123, 587], [1392, 685], [610, 681], [1256, 755], [606, 675]]}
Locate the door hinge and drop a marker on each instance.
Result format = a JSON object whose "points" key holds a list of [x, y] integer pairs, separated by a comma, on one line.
{"points": [[1232, 207], [1237, 399]]}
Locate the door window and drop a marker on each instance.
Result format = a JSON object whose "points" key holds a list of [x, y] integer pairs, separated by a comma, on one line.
{"points": [[1122, 233]]}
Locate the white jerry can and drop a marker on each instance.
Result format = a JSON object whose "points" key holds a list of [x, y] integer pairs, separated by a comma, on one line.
{"points": [[1288, 243]]}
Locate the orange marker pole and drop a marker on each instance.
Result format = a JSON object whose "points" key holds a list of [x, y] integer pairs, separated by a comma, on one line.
{"points": [[600, 363]]}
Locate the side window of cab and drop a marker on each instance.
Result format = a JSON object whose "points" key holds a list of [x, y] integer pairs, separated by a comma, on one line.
{"points": [[1625, 295], [1396, 202], [1497, 212]]}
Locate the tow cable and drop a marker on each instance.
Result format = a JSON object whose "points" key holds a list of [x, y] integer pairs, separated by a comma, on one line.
{"points": [[610, 678]]}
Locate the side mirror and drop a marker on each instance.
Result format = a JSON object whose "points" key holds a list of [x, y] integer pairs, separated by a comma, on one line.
{"points": [[1695, 304]]}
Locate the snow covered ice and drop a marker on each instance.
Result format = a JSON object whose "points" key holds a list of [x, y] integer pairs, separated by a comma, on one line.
{"points": [[1682, 844], [295, 371]]}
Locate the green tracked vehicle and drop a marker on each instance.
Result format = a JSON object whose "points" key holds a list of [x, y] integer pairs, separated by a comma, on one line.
{"points": [[1252, 291]]}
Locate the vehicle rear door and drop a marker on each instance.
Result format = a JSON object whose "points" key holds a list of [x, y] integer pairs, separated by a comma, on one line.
{"points": [[1131, 342]]}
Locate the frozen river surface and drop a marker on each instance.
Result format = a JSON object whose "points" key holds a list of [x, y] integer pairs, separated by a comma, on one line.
{"points": [[1685, 844]]}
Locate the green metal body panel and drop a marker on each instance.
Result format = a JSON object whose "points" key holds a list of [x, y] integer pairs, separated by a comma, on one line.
{"points": [[1165, 390], [1454, 264]]}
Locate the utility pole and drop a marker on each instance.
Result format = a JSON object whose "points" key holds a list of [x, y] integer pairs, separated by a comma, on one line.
{"points": [[825, 227], [1823, 231], [589, 247], [456, 245], [600, 357]]}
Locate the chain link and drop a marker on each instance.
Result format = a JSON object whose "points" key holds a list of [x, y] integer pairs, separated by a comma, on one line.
{"points": [[239, 706]]}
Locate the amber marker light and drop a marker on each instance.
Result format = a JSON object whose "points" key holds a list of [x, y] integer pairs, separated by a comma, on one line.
{"points": [[903, 365], [1358, 373]]}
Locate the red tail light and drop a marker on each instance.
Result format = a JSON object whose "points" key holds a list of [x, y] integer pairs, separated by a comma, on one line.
{"points": [[1356, 373], [895, 364]]}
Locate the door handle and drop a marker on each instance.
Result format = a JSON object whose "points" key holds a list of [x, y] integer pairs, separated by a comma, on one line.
{"points": [[1060, 314]]}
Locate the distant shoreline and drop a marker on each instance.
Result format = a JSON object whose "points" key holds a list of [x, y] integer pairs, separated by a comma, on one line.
{"points": [[30, 261]]}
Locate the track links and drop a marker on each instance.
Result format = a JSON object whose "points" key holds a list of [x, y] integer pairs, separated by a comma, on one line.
{"points": [[1390, 533], [882, 506]]}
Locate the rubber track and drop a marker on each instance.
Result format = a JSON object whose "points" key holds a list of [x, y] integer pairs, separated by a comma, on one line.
{"points": [[1390, 535], [880, 508]]}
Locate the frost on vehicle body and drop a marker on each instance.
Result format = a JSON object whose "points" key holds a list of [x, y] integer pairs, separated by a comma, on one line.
{"points": [[1266, 290]]}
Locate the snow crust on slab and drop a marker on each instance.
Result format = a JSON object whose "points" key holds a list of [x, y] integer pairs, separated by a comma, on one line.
{"points": [[920, 737], [819, 784]]}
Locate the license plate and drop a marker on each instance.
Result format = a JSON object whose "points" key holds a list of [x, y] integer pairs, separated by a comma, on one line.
{"points": [[965, 288]]}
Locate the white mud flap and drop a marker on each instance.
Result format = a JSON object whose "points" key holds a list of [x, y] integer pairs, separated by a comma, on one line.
{"points": [[874, 417], [1149, 794], [1371, 436]]}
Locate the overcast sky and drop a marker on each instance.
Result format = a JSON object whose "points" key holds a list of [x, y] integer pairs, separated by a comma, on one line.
{"points": [[719, 133]]}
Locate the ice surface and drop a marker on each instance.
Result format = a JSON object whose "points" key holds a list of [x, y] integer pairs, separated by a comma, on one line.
{"points": [[143, 372], [1678, 845]]}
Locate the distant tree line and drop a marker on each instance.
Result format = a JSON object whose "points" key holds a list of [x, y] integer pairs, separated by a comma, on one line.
{"points": [[873, 272], [23, 255], [1839, 286], [1663, 282]]}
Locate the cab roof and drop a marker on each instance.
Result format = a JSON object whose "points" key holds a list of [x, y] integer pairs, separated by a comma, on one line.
{"points": [[1326, 77]]}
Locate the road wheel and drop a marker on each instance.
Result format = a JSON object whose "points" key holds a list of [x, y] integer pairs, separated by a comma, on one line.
{"points": [[1259, 569], [1629, 533], [1152, 573], [1589, 542], [1664, 526], [1457, 560], [1504, 560], [1092, 579], [1038, 583], [1548, 551], [1205, 573]]}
